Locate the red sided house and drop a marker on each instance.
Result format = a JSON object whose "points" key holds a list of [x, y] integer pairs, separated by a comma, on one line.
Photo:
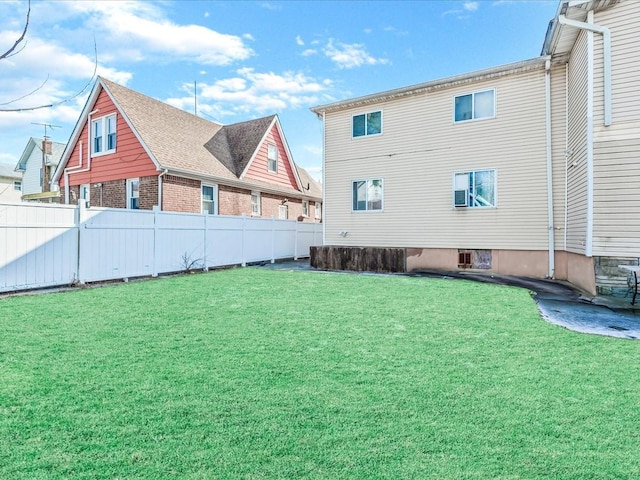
{"points": [[131, 151]]}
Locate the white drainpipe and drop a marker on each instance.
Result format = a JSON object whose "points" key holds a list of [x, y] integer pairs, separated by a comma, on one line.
{"points": [[72, 170], [591, 28], [164, 172], [547, 85], [324, 189]]}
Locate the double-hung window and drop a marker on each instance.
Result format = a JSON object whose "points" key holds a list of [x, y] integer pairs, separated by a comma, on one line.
{"points": [[255, 204], [367, 124], [272, 158], [475, 106], [17, 185], [209, 199], [103, 135], [133, 193], [367, 195], [305, 208], [318, 210], [475, 189]]}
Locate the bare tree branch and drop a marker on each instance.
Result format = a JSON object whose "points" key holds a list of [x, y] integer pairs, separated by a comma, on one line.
{"points": [[55, 104], [24, 32], [27, 94]]}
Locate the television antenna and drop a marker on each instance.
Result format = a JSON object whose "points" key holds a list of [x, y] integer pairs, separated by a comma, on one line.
{"points": [[46, 125]]}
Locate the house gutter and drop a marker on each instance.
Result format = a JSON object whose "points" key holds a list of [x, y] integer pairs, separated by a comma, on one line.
{"points": [[240, 184], [606, 56], [73, 170], [547, 85]]}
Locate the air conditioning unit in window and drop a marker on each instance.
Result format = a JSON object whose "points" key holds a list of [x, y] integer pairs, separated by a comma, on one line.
{"points": [[460, 198]]}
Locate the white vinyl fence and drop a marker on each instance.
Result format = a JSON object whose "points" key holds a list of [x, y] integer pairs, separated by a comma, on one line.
{"points": [[44, 245]]}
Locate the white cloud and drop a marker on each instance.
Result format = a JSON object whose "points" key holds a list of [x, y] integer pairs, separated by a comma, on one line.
{"points": [[252, 92], [308, 52], [470, 6], [350, 55], [299, 40], [135, 27]]}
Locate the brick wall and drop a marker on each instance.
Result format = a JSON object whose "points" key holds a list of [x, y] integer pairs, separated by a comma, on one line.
{"points": [[181, 194], [113, 194], [148, 192], [234, 201]]}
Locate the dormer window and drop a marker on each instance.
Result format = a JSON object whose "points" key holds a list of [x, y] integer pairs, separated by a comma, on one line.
{"points": [[103, 135]]}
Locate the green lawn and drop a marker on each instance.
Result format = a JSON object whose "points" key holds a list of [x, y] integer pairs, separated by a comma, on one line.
{"points": [[261, 374]]}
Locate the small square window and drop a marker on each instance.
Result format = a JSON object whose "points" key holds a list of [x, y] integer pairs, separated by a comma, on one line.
{"points": [[474, 106], [17, 185], [367, 195], [475, 189], [367, 124]]}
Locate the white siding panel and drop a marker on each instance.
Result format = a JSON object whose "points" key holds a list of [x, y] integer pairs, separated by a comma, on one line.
{"points": [[416, 156], [576, 228]]}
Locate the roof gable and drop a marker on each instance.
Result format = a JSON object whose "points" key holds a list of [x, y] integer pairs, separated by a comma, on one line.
{"points": [[273, 134], [235, 145], [57, 150]]}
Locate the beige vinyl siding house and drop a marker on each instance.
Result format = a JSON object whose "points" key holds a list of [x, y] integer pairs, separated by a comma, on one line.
{"points": [[617, 147], [565, 187], [417, 155]]}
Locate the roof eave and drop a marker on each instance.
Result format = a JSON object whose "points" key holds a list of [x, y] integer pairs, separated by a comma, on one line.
{"points": [[537, 62]]}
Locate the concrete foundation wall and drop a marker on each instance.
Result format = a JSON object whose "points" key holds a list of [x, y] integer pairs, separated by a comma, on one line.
{"points": [[581, 272]]}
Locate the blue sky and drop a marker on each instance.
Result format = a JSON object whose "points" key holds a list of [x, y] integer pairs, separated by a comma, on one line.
{"points": [[250, 58]]}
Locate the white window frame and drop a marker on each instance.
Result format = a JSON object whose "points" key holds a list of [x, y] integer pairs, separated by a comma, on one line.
{"points": [[17, 185], [305, 208], [283, 212], [473, 105], [272, 158], [365, 134], [367, 209], [215, 199], [102, 125], [131, 194], [318, 210], [256, 207], [86, 189], [465, 180]]}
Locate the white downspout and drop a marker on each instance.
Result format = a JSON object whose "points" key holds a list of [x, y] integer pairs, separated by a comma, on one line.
{"points": [[324, 189], [547, 85], [567, 153], [164, 172], [73, 170], [591, 28]]}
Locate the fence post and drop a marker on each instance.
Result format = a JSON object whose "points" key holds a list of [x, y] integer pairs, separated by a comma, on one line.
{"points": [[295, 247], [244, 217], [156, 230], [206, 242], [80, 219], [273, 239]]}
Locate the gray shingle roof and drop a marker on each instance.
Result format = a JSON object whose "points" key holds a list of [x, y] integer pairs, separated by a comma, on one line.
{"points": [[183, 141]]}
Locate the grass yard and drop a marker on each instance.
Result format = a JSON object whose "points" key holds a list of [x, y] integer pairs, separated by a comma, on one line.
{"points": [[260, 374]]}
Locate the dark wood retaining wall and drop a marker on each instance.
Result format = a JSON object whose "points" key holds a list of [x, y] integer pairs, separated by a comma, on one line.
{"points": [[360, 259]]}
